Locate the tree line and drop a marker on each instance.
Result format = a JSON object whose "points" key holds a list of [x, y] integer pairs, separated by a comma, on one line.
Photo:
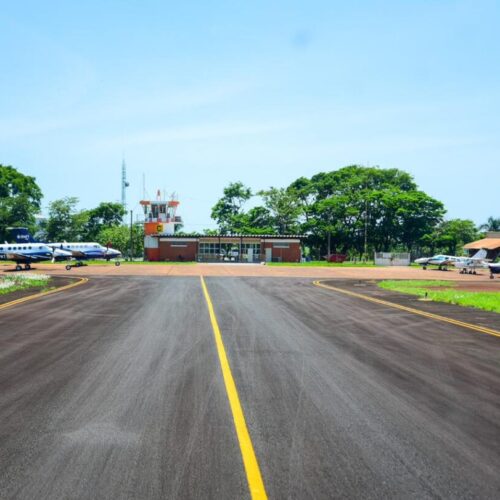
{"points": [[20, 202], [357, 209]]}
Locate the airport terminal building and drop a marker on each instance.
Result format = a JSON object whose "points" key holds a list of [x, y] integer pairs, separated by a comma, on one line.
{"points": [[162, 243], [223, 248]]}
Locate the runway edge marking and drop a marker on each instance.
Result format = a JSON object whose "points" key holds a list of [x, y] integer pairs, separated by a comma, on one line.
{"points": [[437, 317], [80, 281], [254, 477]]}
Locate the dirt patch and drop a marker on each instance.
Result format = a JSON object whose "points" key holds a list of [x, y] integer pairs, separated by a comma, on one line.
{"points": [[478, 287]]}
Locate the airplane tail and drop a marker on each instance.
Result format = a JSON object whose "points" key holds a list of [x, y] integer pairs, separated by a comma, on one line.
{"points": [[481, 254], [22, 235]]}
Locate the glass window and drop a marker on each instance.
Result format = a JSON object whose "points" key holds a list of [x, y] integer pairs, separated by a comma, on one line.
{"points": [[209, 248]]}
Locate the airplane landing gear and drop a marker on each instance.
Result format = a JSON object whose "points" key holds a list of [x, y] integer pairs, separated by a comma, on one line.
{"points": [[19, 267], [78, 264], [27, 267]]}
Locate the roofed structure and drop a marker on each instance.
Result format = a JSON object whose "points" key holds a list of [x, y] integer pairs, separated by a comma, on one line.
{"points": [[491, 243]]}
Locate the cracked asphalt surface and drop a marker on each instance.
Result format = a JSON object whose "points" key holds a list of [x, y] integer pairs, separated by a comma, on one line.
{"points": [[114, 390]]}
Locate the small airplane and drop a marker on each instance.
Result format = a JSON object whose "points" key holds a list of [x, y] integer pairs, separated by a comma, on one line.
{"points": [[87, 251], [494, 269], [444, 261], [80, 251], [28, 253], [470, 264]]}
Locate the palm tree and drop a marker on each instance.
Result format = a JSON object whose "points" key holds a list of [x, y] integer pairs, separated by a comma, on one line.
{"points": [[493, 224]]}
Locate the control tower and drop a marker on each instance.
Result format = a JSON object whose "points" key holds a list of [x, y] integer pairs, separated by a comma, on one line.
{"points": [[160, 216]]}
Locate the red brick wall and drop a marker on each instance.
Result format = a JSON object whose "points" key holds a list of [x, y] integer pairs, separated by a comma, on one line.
{"points": [[152, 254], [291, 254], [176, 253]]}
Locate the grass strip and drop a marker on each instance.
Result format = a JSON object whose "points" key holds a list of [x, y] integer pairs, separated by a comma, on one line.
{"points": [[445, 291], [22, 281]]}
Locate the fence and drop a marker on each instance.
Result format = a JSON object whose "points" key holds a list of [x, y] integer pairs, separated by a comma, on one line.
{"points": [[392, 259]]}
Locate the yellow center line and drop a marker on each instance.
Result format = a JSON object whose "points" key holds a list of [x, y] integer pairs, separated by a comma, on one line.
{"points": [[254, 478], [437, 317], [42, 294]]}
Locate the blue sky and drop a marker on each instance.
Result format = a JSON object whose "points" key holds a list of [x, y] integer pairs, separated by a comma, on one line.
{"points": [[197, 94]]}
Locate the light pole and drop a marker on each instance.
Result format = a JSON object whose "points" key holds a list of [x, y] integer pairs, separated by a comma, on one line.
{"points": [[131, 234]]}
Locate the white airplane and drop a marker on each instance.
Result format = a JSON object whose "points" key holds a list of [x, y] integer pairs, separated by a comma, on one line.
{"points": [[85, 251], [444, 261], [470, 264], [28, 253], [78, 250]]}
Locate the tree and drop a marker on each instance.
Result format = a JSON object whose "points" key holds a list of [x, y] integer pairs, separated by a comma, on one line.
{"points": [[492, 224], [228, 211], [451, 235], [303, 190], [118, 237], [259, 221], [20, 200], [105, 215], [365, 209], [416, 213], [283, 208], [64, 222]]}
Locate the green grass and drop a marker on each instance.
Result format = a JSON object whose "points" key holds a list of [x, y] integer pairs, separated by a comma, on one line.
{"points": [[443, 291], [322, 263], [22, 281]]}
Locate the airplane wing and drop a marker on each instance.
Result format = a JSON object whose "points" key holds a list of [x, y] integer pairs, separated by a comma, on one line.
{"points": [[448, 262], [20, 257], [78, 254]]}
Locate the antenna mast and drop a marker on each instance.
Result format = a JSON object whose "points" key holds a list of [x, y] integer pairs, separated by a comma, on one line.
{"points": [[125, 184]]}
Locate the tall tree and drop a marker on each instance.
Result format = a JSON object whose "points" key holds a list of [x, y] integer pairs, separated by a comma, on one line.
{"points": [[283, 207], [228, 211], [65, 223], [366, 209], [118, 237], [106, 214], [451, 235], [20, 200]]}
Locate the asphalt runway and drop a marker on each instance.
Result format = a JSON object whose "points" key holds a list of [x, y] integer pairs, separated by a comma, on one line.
{"points": [[114, 390]]}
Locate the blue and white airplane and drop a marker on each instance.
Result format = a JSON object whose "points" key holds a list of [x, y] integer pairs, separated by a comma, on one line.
{"points": [[80, 251], [29, 253], [87, 251]]}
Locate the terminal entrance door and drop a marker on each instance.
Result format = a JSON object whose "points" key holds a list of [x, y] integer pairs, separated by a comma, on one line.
{"points": [[269, 254]]}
